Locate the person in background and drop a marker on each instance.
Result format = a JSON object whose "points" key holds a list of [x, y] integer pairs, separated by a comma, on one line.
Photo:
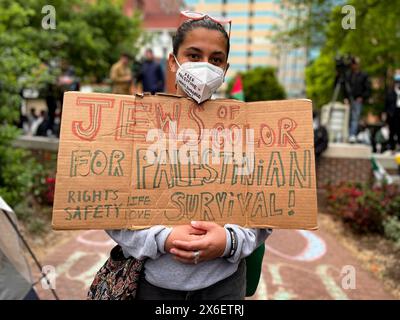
{"points": [[360, 92], [51, 102], [67, 81], [320, 136], [121, 75], [41, 125], [151, 75], [392, 111]]}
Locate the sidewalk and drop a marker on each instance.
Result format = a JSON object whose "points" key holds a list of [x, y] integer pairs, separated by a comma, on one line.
{"points": [[297, 265]]}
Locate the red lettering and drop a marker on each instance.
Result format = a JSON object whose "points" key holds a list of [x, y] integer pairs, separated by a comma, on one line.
{"points": [[222, 112], [267, 136], [286, 126], [133, 122], [234, 110], [95, 111], [164, 119], [195, 117]]}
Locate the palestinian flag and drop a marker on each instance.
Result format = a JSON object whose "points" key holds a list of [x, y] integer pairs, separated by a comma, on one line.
{"points": [[237, 89]]}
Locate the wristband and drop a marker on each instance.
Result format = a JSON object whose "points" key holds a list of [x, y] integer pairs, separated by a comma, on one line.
{"points": [[234, 243]]}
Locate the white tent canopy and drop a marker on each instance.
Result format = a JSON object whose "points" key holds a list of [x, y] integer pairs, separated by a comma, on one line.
{"points": [[15, 274]]}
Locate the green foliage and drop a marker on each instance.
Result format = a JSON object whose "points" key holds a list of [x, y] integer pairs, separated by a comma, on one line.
{"points": [[375, 40], [17, 168], [366, 209], [89, 35], [34, 218], [320, 78], [260, 84], [392, 229], [305, 24]]}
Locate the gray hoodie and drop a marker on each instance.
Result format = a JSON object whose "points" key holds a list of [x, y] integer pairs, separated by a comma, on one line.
{"points": [[162, 270]]}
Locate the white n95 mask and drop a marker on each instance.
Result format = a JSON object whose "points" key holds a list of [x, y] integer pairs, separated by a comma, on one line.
{"points": [[199, 80]]}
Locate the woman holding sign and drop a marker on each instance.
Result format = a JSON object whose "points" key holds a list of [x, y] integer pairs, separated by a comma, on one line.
{"points": [[202, 260]]}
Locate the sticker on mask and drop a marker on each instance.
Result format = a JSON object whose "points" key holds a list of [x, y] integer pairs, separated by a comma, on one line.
{"points": [[199, 80]]}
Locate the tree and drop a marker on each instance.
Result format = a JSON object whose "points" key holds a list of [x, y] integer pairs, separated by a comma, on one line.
{"points": [[89, 35], [16, 59], [375, 41], [304, 24], [260, 84]]}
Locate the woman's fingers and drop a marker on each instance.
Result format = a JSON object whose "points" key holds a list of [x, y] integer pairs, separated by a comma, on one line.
{"points": [[190, 245], [195, 237], [189, 255], [197, 231], [203, 225]]}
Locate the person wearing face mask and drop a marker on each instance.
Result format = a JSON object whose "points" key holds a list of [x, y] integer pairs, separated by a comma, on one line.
{"points": [[203, 260], [199, 80]]}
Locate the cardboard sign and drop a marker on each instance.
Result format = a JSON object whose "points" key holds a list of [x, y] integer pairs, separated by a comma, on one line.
{"points": [[137, 161]]}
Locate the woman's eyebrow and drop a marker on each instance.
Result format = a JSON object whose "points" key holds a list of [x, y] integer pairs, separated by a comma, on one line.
{"points": [[219, 52], [194, 49]]}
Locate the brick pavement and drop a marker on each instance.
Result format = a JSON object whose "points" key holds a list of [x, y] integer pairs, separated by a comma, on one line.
{"points": [[297, 265]]}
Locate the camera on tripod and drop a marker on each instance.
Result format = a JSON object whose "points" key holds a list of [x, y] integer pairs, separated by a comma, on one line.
{"points": [[343, 64]]}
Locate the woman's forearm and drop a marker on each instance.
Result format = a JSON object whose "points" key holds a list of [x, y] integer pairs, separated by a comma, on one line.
{"points": [[146, 243], [247, 241]]}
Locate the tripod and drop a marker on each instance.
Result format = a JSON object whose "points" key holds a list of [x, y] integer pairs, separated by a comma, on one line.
{"points": [[341, 83]]}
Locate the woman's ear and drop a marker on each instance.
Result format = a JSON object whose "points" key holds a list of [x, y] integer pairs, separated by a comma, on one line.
{"points": [[172, 63]]}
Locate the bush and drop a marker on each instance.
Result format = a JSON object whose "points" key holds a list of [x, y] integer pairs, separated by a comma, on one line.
{"points": [[17, 168], [260, 84], [366, 209], [45, 180], [34, 218], [392, 229]]}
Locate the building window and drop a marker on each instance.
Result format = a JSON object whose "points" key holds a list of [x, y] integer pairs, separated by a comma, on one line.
{"points": [[239, 27], [238, 14], [238, 40], [191, 3], [238, 53], [260, 53], [266, 13], [237, 66], [264, 26]]}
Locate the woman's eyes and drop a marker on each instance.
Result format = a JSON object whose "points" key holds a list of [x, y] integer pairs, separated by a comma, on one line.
{"points": [[194, 57], [197, 57], [216, 61]]}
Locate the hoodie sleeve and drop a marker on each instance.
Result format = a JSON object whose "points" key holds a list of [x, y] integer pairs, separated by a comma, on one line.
{"points": [[248, 240], [146, 243]]}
